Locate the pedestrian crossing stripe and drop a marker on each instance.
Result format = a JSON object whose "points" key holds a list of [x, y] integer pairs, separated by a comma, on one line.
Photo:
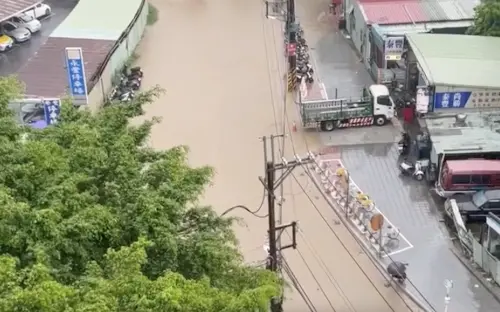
{"points": [[357, 122]]}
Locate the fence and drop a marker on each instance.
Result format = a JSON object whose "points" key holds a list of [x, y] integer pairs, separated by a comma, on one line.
{"points": [[471, 247], [489, 263]]}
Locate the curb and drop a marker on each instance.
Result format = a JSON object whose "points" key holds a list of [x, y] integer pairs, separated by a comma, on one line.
{"points": [[368, 248]]}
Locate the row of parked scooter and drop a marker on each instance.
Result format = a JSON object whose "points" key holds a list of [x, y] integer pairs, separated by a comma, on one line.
{"points": [[130, 82], [304, 68]]}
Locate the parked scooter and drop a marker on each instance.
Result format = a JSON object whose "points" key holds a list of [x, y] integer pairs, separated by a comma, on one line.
{"points": [[415, 169], [404, 144]]}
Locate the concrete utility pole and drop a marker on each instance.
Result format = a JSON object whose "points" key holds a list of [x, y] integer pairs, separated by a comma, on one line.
{"points": [[271, 183], [275, 9], [291, 29]]}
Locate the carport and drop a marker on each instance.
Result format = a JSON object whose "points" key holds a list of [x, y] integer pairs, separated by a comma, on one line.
{"points": [[10, 8]]}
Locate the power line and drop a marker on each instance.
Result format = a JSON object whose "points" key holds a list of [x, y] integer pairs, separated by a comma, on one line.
{"points": [[341, 243], [288, 270], [327, 271], [316, 280], [370, 234], [254, 213]]}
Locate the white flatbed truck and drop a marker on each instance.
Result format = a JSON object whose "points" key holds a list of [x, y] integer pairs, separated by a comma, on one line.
{"points": [[376, 108]]}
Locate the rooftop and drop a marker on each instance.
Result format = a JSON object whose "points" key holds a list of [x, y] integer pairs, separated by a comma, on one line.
{"points": [[9, 8], [445, 58], [403, 29], [480, 132], [50, 59], [106, 23], [416, 11], [473, 165]]}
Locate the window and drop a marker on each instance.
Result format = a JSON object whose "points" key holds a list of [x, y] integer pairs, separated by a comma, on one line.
{"points": [[476, 179], [486, 179], [384, 100], [494, 204], [460, 179], [9, 27], [16, 20]]}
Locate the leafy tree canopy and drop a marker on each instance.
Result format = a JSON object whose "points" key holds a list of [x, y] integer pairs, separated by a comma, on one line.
{"points": [[91, 219], [487, 19]]}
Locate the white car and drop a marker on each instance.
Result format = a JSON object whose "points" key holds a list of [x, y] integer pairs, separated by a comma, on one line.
{"points": [[27, 21], [40, 10]]}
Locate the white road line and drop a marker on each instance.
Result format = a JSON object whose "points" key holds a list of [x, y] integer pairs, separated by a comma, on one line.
{"points": [[397, 251], [410, 245], [385, 218], [324, 94]]}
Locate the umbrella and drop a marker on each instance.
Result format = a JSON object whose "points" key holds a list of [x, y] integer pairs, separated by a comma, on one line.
{"points": [[397, 269], [39, 124]]}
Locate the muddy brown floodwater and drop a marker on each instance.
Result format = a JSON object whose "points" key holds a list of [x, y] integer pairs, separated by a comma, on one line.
{"points": [[221, 63]]}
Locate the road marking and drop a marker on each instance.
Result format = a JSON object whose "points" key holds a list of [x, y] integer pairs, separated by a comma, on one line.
{"points": [[398, 251], [323, 91], [410, 245]]}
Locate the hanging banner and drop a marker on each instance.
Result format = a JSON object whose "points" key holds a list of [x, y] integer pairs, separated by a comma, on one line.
{"points": [[422, 100], [393, 48]]}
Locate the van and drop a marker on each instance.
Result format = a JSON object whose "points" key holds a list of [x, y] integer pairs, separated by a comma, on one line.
{"points": [[468, 176]]}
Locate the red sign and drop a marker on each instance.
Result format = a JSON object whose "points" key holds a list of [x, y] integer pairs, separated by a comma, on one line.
{"points": [[292, 47]]}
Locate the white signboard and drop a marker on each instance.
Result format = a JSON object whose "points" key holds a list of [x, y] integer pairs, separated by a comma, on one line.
{"points": [[422, 100], [393, 48]]}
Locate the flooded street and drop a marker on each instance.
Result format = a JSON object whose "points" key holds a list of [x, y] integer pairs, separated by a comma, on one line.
{"points": [[222, 66]]}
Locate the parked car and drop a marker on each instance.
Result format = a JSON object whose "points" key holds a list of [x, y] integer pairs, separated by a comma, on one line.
{"points": [[26, 21], [19, 34], [6, 43], [39, 11], [475, 208]]}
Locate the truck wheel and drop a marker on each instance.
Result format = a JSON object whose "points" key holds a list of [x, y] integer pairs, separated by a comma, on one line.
{"points": [[380, 120], [328, 125]]}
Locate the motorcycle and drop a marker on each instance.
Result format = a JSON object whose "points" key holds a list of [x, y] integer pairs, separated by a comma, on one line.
{"points": [[133, 71], [133, 83], [415, 169], [404, 144], [126, 95], [309, 77]]}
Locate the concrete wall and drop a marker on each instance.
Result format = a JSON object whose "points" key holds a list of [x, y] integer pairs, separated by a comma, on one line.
{"points": [[123, 49], [359, 33]]}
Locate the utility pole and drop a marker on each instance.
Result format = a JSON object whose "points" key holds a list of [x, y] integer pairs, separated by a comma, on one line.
{"points": [[275, 9], [271, 182], [291, 29]]}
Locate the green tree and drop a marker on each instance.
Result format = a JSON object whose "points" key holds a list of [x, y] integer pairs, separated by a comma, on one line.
{"points": [[487, 19], [93, 218]]}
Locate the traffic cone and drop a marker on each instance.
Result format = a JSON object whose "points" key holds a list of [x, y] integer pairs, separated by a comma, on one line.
{"points": [[294, 126]]}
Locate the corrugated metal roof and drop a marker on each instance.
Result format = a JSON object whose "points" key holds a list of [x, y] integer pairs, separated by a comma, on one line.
{"points": [[45, 75], [98, 19], [458, 60], [402, 29], [9, 8], [393, 12], [416, 11], [480, 131]]}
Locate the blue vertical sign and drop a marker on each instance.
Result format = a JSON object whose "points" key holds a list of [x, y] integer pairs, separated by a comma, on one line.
{"points": [[51, 108], [76, 75]]}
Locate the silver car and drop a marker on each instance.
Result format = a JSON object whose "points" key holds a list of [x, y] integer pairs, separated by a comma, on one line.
{"points": [[19, 34]]}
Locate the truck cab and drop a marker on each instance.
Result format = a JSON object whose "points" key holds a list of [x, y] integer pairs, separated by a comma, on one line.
{"points": [[383, 105]]}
